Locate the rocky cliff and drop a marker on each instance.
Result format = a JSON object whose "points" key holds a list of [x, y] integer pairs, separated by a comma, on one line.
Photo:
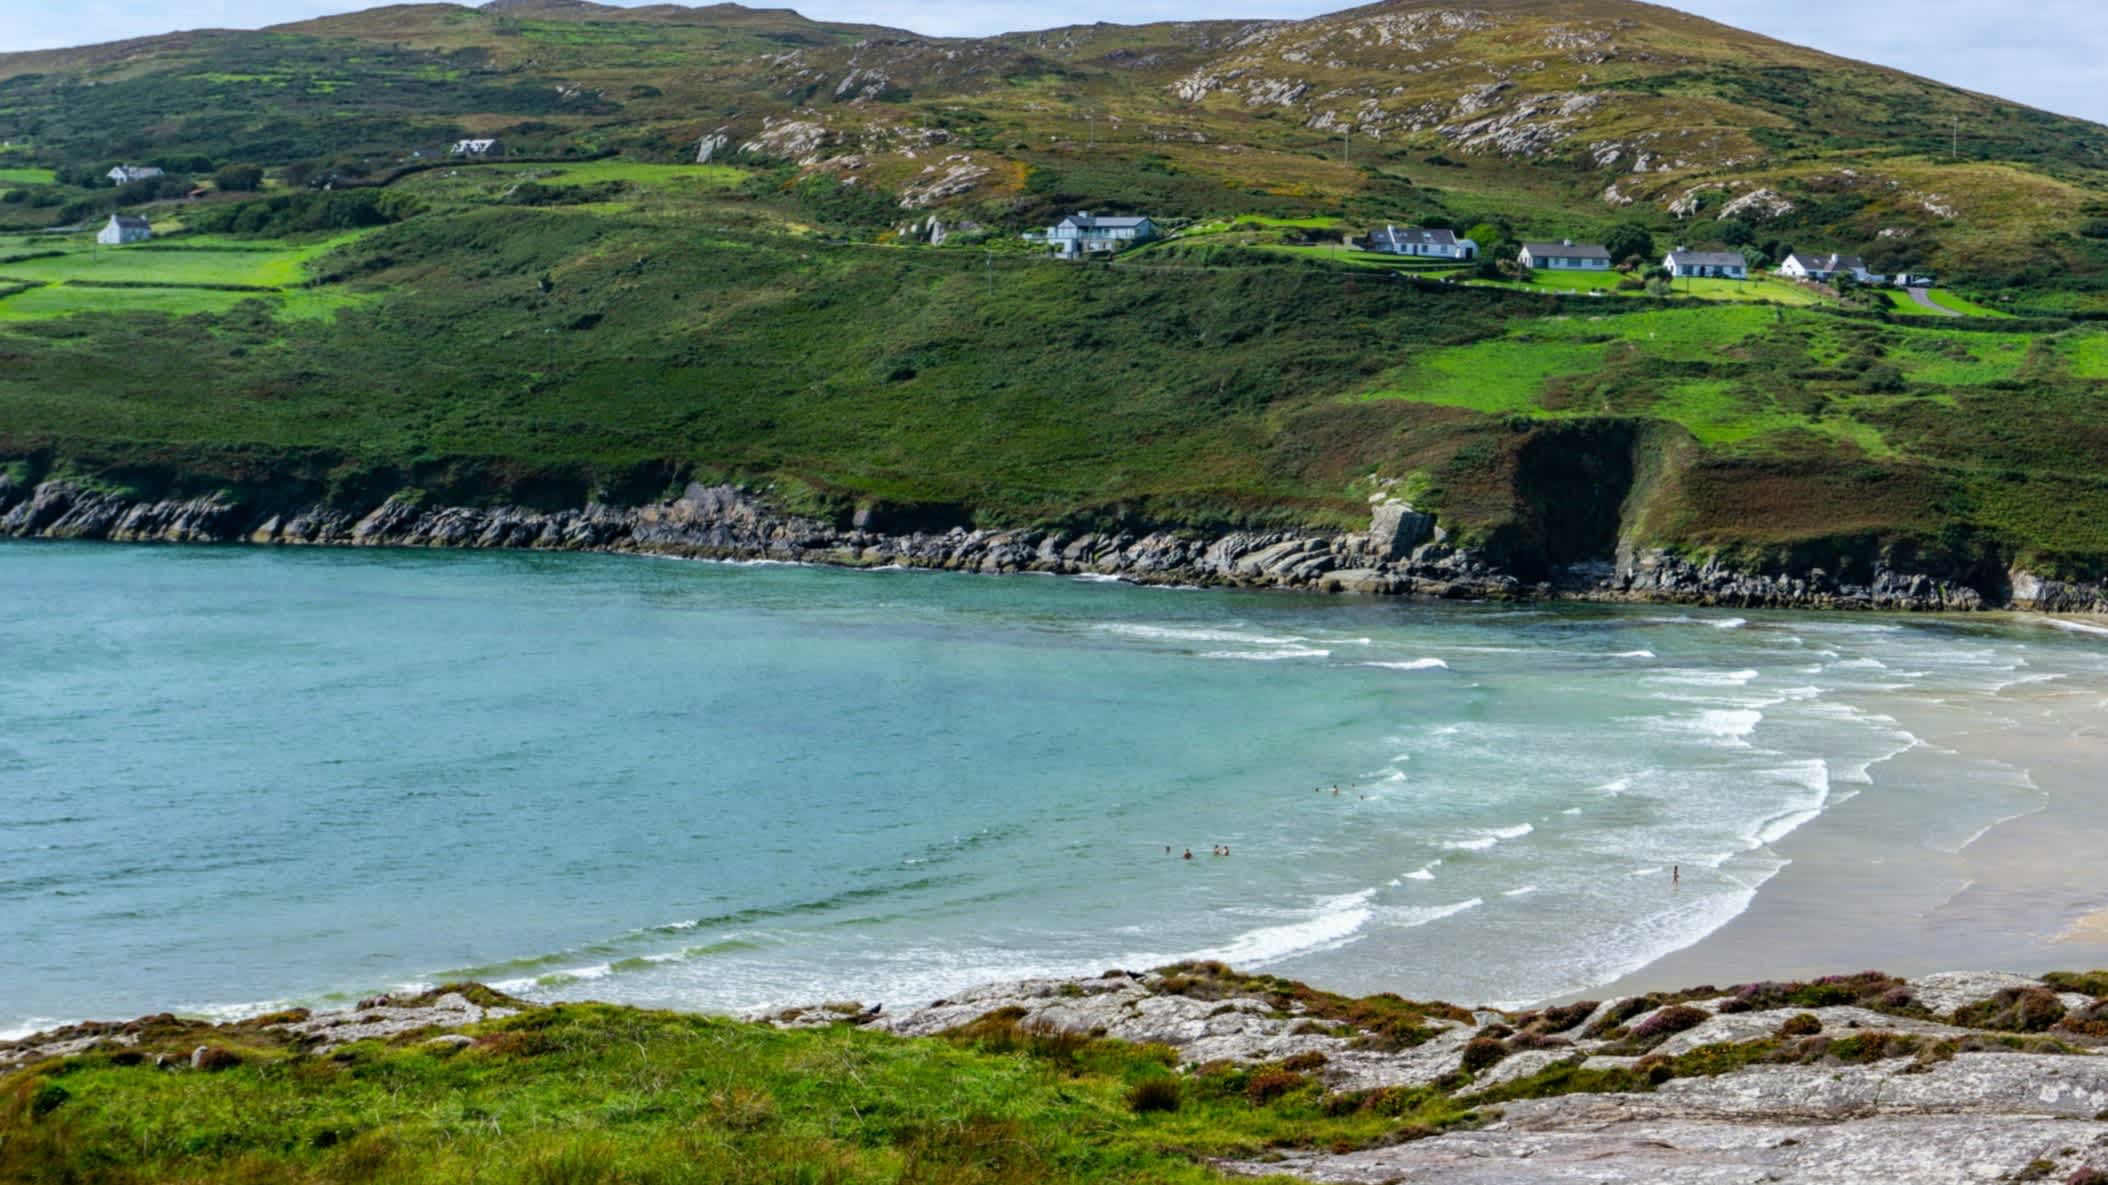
{"points": [[1403, 553]]}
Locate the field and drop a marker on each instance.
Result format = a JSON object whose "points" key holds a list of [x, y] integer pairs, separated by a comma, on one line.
{"points": [[51, 276]]}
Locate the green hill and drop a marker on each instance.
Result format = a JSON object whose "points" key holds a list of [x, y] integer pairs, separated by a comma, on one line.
{"points": [[602, 315]]}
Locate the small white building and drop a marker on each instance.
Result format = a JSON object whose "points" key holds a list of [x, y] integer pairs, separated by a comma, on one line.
{"points": [[1086, 233], [1716, 265], [477, 148], [1419, 241], [1565, 256], [124, 228], [1824, 268], [126, 174]]}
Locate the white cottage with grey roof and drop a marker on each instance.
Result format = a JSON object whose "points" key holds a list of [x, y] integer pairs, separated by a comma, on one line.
{"points": [[1824, 268], [124, 228], [1421, 242], [1085, 233], [1565, 256], [126, 174], [1718, 265]]}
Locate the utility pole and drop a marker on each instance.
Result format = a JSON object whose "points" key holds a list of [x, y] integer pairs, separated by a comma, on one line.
{"points": [[1955, 153], [991, 275], [1347, 137], [1093, 120]]}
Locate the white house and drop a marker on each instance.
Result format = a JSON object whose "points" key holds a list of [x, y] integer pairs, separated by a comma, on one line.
{"points": [[1565, 256], [1085, 233], [1413, 240], [477, 148], [126, 174], [1824, 268], [1724, 265], [124, 228]]}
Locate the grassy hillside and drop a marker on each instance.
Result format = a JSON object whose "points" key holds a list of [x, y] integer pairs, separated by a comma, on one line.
{"points": [[1555, 119], [601, 316]]}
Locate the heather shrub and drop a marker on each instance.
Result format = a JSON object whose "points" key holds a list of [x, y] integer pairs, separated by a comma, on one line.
{"points": [[1668, 1022], [1802, 1025], [1154, 1094]]}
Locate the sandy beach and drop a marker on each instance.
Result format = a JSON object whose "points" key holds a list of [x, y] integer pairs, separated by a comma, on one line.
{"points": [[1977, 848]]}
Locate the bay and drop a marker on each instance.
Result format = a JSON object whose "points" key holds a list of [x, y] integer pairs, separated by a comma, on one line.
{"points": [[234, 778]]}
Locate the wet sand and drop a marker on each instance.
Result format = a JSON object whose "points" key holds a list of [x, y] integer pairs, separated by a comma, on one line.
{"points": [[1981, 848]]}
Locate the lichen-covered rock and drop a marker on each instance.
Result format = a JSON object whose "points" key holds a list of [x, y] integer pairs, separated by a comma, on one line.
{"points": [[1948, 990]]}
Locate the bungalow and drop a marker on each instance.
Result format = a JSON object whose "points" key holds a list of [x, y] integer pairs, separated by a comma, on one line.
{"points": [[1085, 233], [124, 228], [477, 148], [1413, 240], [1824, 268], [1724, 265], [126, 174], [1564, 256]]}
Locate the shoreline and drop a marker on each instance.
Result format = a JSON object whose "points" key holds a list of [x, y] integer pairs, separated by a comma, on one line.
{"points": [[1403, 554]]}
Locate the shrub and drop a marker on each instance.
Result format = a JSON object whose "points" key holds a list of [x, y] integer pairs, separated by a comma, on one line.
{"points": [[213, 1058], [239, 179], [1803, 1025], [46, 1098], [1669, 1021], [1154, 1094], [1305, 1062], [1481, 1052], [2089, 983], [2014, 1010], [1562, 1017], [1267, 1085], [1618, 1014]]}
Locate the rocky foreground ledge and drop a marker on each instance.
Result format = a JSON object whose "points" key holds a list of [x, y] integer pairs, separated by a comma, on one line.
{"points": [[1403, 553], [1954, 1079]]}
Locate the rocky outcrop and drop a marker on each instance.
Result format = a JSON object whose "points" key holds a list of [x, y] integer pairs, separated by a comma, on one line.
{"points": [[1403, 553], [384, 1017], [1915, 1100]]}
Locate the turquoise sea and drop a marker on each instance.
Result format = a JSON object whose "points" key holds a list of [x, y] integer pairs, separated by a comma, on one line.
{"points": [[234, 777]]}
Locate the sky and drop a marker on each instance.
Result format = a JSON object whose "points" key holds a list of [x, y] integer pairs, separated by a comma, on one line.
{"points": [[2049, 56]]}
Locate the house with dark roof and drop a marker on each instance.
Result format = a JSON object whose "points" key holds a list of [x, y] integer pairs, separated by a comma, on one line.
{"points": [[1722, 265], [477, 149], [124, 228], [1565, 256], [1419, 242], [1085, 233], [1824, 268]]}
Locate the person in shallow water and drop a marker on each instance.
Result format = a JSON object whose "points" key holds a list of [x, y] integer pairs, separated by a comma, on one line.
{"points": [[1189, 853]]}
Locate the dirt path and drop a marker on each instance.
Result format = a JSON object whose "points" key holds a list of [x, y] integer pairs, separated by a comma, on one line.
{"points": [[1924, 298]]}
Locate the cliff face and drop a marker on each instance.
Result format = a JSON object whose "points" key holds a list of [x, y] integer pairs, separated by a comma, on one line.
{"points": [[1404, 552]]}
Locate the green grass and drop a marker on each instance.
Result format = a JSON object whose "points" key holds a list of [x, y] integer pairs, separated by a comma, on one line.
{"points": [[61, 300], [26, 176], [180, 270], [1628, 364], [1948, 300], [598, 1095], [2088, 354], [1215, 226]]}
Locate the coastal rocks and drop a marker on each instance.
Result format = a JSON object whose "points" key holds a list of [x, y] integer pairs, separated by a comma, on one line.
{"points": [[1141, 1009], [1740, 1096], [1662, 576], [1922, 1150], [387, 1017], [1948, 991], [1404, 551], [202, 1045]]}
